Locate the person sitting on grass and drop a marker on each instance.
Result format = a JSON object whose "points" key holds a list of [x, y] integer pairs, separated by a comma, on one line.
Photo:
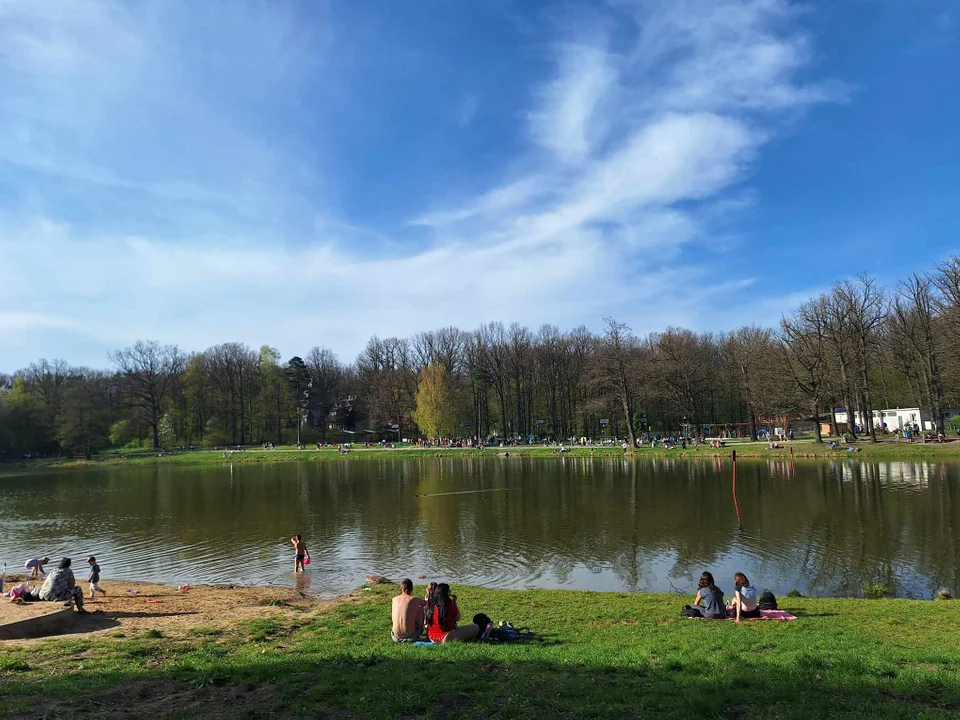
{"points": [[407, 614], [710, 599], [744, 601], [442, 616]]}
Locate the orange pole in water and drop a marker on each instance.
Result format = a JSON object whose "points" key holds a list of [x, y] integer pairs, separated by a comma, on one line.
{"points": [[736, 505]]}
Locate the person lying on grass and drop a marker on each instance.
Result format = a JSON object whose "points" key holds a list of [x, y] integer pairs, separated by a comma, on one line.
{"points": [[709, 598], [442, 616], [744, 601]]}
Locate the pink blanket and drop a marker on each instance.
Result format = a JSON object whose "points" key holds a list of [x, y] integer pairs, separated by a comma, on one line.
{"points": [[769, 615]]}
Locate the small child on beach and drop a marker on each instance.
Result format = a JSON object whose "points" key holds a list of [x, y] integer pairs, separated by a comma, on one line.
{"points": [[300, 550], [35, 566], [94, 578]]}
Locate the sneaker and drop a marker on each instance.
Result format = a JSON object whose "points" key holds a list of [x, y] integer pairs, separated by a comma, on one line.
{"points": [[83, 612]]}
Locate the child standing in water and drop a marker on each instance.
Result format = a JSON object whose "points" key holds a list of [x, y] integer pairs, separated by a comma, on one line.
{"points": [[300, 550], [94, 578]]}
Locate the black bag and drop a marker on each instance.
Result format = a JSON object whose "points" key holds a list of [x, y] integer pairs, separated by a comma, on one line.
{"points": [[691, 612], [482, 621], [768, 601]]}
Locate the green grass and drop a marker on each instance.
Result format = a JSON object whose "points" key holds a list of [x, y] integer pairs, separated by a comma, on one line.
{"points": [[881, 451], [614, 655]]}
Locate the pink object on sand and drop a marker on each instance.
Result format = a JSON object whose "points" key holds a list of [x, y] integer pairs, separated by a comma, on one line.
{"points": [[153, 601]]}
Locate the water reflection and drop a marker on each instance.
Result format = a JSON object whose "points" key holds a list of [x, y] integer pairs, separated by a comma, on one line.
{"points": [[824, 528]]}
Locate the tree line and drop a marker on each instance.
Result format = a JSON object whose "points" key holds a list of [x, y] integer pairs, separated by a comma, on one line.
{"points": [[859, 346]]}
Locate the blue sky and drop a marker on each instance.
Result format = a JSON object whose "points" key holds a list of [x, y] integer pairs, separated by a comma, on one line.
{"points": [[300, 174]]}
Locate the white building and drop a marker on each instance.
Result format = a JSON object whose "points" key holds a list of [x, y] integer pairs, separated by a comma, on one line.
{"points": [[896, 418]]}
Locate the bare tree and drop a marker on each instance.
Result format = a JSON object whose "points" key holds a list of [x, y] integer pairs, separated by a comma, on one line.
{"points": [[686, 368], [615, 369], [148, 370], [747, 352], [803, 344], [863, 306], [912, 325]]}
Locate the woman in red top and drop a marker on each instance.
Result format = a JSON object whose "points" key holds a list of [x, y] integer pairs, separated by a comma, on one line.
{"points": [[442, 616]]}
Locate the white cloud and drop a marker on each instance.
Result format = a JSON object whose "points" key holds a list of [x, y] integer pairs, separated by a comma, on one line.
{"points": [[570, 122], [649, 132]]}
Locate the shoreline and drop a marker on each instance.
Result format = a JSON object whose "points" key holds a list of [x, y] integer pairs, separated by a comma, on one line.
{"points": [[883, 451]]}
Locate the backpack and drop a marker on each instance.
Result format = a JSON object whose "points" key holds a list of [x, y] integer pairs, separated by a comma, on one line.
{"points": [[484, 623], [768, 601], [689, 611]]}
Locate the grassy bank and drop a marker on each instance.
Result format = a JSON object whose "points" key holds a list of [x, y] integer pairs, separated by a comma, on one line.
{"points": [[889, 450], [600, 655]]}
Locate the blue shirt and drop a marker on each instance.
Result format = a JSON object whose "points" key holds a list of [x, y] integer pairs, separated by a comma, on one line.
{"points": [[712, 602]]}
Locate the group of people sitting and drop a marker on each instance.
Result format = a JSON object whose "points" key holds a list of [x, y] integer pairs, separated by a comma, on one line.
{"points": [[436, 612], [59, 586], [709, 604]]}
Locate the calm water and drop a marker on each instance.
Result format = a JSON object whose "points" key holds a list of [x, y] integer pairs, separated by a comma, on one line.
{"points": [[606, 524]]}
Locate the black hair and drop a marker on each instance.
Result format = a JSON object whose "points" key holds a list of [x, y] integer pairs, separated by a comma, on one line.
{"points": [[406, 584], [438, 605], [91, 559], [65, 563]]}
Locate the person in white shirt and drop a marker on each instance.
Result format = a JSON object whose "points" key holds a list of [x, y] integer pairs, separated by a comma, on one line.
{"points": [[35, 566], [743, 604]]}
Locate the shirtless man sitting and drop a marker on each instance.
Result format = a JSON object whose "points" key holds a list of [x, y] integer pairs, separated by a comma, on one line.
{"points": [[407, 614]]}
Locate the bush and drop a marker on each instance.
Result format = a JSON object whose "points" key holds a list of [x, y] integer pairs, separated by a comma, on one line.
{"points": [[875, 591], [794, 593], [943, 594]]}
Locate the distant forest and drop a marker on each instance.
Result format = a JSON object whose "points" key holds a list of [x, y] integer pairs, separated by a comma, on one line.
{"points": [[858, 346]]}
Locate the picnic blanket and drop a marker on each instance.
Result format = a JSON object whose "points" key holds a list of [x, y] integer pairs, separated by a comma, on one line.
{"points": [[779, 615]]}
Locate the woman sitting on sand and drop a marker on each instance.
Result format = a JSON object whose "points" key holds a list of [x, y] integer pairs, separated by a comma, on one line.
{"points": [[442, 616], [710, 599], [744, 601]]}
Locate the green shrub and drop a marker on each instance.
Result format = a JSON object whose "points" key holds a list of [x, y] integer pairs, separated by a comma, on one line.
{"points": [[875, 591]]}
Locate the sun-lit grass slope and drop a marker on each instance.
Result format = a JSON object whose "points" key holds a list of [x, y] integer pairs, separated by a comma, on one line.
{"points": [[599, 655]]}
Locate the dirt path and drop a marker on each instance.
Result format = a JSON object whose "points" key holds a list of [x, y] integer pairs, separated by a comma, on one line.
{"points": [[146, 606]]}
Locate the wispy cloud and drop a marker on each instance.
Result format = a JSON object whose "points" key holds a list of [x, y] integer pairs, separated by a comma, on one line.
{"points": [[192, 203], [572, 120]]}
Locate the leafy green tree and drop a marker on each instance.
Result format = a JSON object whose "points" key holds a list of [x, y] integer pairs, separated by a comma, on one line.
{"points": [[436, 403], [121, 432]]}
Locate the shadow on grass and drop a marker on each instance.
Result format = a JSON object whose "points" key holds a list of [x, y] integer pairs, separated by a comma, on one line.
{"points": [[431, 683]]}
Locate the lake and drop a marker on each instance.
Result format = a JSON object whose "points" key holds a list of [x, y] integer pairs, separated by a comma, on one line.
{"points": [[824, 528]]}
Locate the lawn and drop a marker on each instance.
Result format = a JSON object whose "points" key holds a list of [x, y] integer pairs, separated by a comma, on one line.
{"points": [[617, 655]]}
